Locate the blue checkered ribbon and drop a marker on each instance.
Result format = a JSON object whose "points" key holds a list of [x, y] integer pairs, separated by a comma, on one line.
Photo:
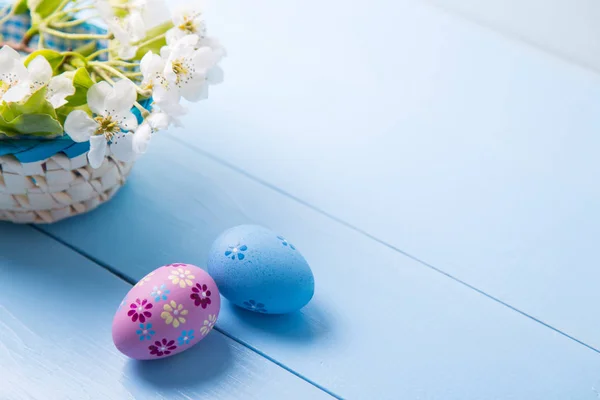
{"points": [[33, 150], [17, 26]]}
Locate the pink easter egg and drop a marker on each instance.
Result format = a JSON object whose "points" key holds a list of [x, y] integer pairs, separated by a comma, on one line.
{"points": [[167, 312]]}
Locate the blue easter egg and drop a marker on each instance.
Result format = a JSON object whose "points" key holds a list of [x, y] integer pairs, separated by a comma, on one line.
{"points": [[260, 270]]}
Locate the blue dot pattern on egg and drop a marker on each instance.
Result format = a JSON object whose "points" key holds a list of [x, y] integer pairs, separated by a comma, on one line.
{"points": [[260, 270]]}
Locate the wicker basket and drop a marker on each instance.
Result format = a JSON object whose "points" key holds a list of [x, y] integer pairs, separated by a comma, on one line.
{"points": [[56, 188], [44, 181]]}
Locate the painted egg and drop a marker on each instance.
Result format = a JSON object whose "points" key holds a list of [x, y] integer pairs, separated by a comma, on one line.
{"points": [[168, 311], [260, 270]]}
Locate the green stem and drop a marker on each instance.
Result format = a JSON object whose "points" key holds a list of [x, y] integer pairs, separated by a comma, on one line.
{"points": [[59, 15], [75, 36], [63, 4], [155, 38], [103, 75], [41, 41], [116, 72], [71, 24], [123, 63], [76, 55], [144, 112], [97, 53]]}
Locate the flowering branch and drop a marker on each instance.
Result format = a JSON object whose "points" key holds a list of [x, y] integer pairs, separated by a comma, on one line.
{"points": [[93, 91], [20, 47]]}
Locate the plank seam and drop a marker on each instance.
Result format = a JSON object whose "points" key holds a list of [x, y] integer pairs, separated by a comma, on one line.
{"points": [[370, 236], [132, 282]]}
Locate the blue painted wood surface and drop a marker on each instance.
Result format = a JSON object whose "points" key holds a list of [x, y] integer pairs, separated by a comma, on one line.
{"points": [[56, 310], [468, 150], [380, 325], [434, 136]]}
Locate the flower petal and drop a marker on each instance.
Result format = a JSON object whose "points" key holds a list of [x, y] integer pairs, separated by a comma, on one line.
{"points": [[59, 88], [151, 64], [17, 93], [79, 126], [7, 53], [136, 26], [204, 59], [97, 95], [166, 94], [195, 90], [98, 147], [127, 121], [127, 52], [122, 97], [40, 71], [141, 139], [122, 149]]}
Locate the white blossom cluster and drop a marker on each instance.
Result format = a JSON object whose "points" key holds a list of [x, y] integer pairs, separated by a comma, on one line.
{"points": [[181, 70]]}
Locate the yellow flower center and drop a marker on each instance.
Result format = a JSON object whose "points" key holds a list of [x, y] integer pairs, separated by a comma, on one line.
{"points": [[7, 81], [188, 25], [180, 68], [107, 126]]}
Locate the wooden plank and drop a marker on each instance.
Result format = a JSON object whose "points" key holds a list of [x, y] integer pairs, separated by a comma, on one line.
{"points": [[540, 24], [469, 151], [56, 310], [380, 325]]}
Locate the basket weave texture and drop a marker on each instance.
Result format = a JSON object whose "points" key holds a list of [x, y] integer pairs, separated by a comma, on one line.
{"points": [[44, 181], [59, 187]]}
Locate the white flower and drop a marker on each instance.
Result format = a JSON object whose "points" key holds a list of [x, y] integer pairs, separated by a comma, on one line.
{"points": [[153, 11], [18, 82], [186, 21], [122, 147], [215, 45], [13, 76], [112, 107], [164, 93], [59, 88], [141, 138], [127, 31], [40, 75], [187, 67]]}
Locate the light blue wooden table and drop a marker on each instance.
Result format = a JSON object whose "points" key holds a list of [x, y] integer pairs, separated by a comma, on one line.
{"points": [[440, 178]]}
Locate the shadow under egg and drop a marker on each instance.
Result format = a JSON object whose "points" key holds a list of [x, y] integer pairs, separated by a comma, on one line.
{"points": [[194, 368], [305, 326]]}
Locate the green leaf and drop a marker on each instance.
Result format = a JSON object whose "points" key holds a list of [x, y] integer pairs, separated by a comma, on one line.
{"points": [[54, 58], [82, 82], [34, 116], [36, 125], [64, 111], [154, 41], [36, 103], [21, 7], [87, 49], [43, 8]]}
